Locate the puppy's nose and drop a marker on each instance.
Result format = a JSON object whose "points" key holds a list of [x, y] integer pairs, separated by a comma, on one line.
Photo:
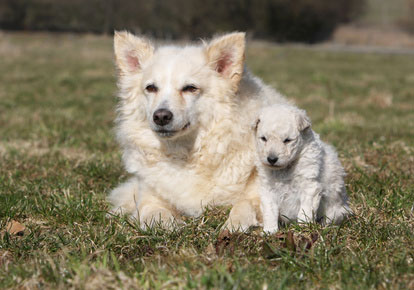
{"points": [[272, 160], [162, 117]]}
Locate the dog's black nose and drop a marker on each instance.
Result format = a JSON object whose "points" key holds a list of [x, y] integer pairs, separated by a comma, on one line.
{"points": [[272, 160], [162, 117]]}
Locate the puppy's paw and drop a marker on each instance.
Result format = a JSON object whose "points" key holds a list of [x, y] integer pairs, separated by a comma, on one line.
{"points": [[305, 217], [270, 230], [336, 215]]}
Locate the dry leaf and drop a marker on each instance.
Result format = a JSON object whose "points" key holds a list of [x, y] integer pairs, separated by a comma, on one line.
{"points": [[290, 241], [294, 244], [223, 241], [15, 228], [304, 243]]}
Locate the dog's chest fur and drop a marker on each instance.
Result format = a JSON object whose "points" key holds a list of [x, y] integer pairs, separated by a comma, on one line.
{"points": [[214, 166], [211, 168]]}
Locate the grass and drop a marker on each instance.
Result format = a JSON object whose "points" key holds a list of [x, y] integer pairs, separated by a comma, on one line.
{"points": [[384, 13], [59, 159]]}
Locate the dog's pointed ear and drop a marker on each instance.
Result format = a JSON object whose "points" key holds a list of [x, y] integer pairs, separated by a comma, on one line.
{"points": [[225, 54], [303, 120], [131, 51]]}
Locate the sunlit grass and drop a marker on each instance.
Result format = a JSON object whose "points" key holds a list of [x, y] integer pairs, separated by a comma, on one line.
{"points": [[59, 159]]}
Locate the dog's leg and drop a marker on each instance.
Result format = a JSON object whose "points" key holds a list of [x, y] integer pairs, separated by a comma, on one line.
{"points": [[334, 208], [246, 212], [136, 199], [154, 211], [123, 197], [270, 211], [243, 215], [309, 202]]}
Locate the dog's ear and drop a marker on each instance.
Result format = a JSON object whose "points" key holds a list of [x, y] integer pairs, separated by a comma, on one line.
{"points": [[255, 125], [131, 51], [302, 120], [226, 56]]}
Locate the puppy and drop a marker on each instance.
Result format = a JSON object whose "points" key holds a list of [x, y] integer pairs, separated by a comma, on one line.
{"points": [[301, 178]]}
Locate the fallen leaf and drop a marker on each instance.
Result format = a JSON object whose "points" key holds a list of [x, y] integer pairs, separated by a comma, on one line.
{"points": [[15, 228], [290, 241], [314, 237], [223, 241], [305, 244], [280, 236], [224, 235]]}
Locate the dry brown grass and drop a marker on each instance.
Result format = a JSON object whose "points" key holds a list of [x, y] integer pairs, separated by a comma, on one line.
{"points": [[373, 36]]}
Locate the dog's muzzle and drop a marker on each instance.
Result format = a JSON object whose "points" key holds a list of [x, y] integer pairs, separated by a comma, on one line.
{"points": [[163, 133]]}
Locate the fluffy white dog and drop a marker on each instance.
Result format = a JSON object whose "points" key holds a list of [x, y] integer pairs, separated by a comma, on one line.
{"points": [[184, 119], [301, 177]]}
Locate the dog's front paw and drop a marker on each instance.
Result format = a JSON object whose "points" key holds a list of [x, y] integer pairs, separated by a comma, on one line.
{"points": [[158, 218], [242, 216], [233, 226]]}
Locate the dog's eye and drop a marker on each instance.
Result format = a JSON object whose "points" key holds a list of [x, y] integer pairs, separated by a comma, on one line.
{"points": [[189, 89], [151, 88], [263, 138], [287, 140]]}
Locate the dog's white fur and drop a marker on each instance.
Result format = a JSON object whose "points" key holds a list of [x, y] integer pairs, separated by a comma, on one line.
{"points": [[301, 177], [205, 156]]}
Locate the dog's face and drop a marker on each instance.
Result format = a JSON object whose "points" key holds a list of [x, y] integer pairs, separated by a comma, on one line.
{"points": [[278, 134], [174, 83]]}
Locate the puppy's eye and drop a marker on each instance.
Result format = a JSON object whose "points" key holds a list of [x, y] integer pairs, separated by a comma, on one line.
{"points": [[189, 89], [263, 138], [287, 140], [151, 88]]}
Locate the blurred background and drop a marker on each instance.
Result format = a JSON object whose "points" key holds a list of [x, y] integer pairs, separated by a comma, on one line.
{"points": [[308, 21]]}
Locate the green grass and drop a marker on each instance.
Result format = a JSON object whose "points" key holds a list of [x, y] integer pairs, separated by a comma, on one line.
{"points": [[59, 159]]}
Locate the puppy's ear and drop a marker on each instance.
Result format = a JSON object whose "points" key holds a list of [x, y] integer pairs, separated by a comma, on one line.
{"points": [[255, 125], [131, 51], [225, 55], [302, 120]]}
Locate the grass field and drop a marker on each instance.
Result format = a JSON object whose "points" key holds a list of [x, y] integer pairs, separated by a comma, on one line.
{"points": [[59, 159]]}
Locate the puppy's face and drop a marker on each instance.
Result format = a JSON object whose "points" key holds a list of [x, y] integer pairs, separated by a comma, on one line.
{"points": [[178, 86], [278, 134]]}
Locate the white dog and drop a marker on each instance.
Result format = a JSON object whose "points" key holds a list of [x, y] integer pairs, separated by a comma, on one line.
{"points": [[183, 124], [301, 177]]}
